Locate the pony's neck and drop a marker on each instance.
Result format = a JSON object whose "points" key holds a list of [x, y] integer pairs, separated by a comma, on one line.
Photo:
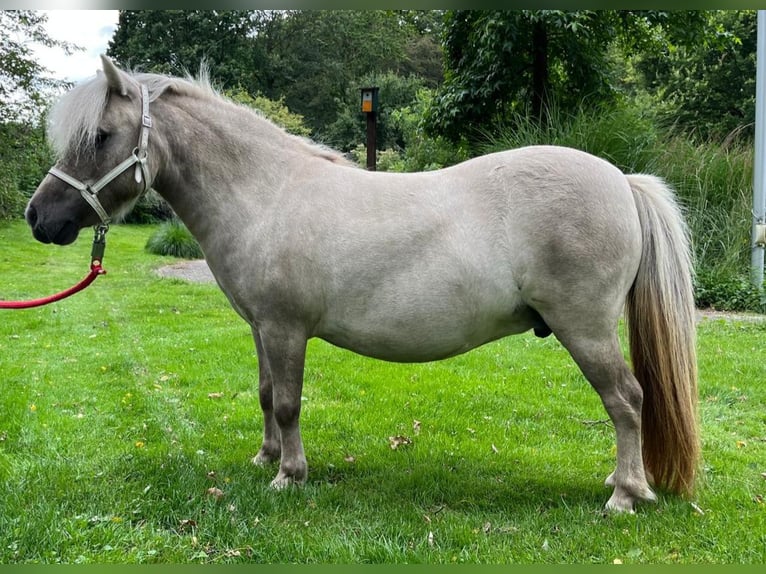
{"points": [[217, 159]]}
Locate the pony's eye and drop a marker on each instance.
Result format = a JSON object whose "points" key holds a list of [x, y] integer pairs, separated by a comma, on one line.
{"points": [[101, 137]]}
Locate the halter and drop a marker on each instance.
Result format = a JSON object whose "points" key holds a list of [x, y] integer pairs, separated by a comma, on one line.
{"points": [[138, 157]]}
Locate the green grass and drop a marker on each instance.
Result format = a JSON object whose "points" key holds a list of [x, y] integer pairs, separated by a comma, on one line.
{"points": [[111, 435]]}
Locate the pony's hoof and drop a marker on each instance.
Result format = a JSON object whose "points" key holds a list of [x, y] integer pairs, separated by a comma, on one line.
{"points": [[281, 482], [259, 460], [620, 504], [623, 500], [264, 457]]}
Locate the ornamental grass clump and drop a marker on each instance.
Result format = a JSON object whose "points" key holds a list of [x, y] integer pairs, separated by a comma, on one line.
{"points": [[174, 239]]}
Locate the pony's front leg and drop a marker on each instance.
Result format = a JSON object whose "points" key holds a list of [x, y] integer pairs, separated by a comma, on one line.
{"points": [[271, 449], [284, 349]]}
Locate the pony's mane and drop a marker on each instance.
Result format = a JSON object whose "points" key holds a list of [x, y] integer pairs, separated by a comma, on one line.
{"points": [[73, 121]]}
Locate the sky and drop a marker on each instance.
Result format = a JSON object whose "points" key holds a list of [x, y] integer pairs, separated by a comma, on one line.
{"points": [[89, 29]]}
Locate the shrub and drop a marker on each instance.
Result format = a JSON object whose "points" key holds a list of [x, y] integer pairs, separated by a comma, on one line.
{"points": [[174, 239], [11, 200], [726, 292]]}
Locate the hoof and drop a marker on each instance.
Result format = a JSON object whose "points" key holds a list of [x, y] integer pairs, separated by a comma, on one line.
{"points": [[263, 458], [282, 482], [623, 500], [620, 506]]}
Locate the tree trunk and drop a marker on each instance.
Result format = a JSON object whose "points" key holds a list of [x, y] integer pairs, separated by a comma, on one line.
{"points": [[539, 70]]}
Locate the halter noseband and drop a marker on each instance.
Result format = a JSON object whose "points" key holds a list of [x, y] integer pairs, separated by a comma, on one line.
{"points": [[138, 157]]}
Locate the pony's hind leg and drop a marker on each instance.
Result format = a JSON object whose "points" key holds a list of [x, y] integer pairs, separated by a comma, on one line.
{"points": [[271, 448], [603, 364]]}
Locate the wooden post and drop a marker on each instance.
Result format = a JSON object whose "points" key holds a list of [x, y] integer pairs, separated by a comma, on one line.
{"points": [[370, 106], [371, 141]]}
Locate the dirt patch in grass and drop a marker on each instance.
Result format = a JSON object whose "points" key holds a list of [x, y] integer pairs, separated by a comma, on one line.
{"points": [[194, 270]]}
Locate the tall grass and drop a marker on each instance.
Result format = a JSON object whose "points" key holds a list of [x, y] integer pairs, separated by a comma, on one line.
{"points": [[713, 182]]}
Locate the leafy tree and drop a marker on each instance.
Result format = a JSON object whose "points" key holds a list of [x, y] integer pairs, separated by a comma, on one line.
{"points": [[276, 111], [176, 42], [24, 88], [319, 53], [305, 58], [23, 81], [708, 87], [500, 61], [423, 50]]}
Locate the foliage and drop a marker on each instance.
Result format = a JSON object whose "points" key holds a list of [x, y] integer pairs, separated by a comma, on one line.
{"points": [[177, 42], [414, 148], [174, 239], [303, 58], [125, 404], [497, 61], [24, 160], [718, 289], [319, 53], [276, 111], [24, 87], [707, 88], [151, 208], [350, 126], [23, 81], [625, 135]]}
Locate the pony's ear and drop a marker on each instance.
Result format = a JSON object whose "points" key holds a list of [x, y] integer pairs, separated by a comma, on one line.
{"points": [[117, 79]]}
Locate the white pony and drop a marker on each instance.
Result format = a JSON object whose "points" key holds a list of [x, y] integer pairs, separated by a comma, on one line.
{"points": [[402, 267]]}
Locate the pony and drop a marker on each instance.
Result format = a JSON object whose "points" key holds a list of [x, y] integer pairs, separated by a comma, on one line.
{"points": [[400, 267]]}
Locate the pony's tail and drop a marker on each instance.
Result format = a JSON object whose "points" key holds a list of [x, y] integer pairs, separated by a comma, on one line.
{"points": [[660, 316]]}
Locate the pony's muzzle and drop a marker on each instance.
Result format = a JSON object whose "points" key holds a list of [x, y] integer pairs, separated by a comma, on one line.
{"points": [[62, 233]]}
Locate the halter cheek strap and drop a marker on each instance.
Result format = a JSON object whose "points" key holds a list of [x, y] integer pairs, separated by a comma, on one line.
{"points": [[89, 192]]}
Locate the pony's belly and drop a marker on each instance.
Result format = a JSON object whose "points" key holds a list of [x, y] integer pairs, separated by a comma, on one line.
{"points": [[424, 340]]}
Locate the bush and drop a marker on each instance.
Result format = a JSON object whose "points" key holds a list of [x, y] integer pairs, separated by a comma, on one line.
{"points": [[623, 134], [174, 239], [725, 292], [11, 200], [24, 161]]}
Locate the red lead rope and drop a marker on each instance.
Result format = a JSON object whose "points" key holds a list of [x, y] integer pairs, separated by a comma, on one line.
{"points": [[97, 255]]}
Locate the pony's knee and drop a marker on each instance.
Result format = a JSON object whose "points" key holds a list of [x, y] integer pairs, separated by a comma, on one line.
{"points": [[286, 413]]}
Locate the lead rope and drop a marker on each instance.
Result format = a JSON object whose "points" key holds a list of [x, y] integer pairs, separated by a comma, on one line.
{"points": [[96, 259]]}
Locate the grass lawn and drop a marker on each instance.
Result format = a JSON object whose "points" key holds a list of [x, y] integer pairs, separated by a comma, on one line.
{"points": [[122, 407]]}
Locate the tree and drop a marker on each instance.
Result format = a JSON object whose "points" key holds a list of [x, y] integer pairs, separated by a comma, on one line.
{"points": [[305, 58], [177, 42], [23, 81], [317, 54], [707, 87], [498, 62], [24, 88]]}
